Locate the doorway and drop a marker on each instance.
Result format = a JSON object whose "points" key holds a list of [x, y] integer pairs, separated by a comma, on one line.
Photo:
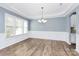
{"points": [[73, 26]]}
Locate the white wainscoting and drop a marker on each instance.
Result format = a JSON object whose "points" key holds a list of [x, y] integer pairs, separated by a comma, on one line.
{"points": [[62, 36], [77, 42], [5, 42]]}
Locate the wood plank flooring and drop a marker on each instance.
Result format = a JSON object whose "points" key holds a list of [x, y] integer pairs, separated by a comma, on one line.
{"points": [[39, 47]]}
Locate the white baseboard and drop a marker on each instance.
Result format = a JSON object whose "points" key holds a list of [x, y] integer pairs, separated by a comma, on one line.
{"points": [[62, 36]]}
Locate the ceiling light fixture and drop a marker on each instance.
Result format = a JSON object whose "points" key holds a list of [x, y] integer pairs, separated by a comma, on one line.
{"points": [[42, 20]]}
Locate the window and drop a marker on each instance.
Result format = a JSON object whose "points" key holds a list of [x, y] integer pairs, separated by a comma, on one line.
{"points": [[15, 25], [19, 26], [10, 25], [25, 26]]}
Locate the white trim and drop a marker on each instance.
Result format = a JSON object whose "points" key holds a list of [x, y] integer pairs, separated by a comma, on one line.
{"points": [[62, 14], [77, 42]]}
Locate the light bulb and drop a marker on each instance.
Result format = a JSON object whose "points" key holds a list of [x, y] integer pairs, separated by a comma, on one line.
{"points": [[39, 21], [44, 21]]}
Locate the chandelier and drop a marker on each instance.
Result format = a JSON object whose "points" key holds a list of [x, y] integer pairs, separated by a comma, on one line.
{"points": [[42, 20]]}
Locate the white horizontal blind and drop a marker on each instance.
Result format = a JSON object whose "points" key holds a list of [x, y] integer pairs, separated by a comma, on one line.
{"points": [[15, 25], [25, 26]]}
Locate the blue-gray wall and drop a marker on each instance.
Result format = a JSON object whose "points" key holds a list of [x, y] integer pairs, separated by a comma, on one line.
{"points": [[2, 21], [2, 18], [59, 24]]}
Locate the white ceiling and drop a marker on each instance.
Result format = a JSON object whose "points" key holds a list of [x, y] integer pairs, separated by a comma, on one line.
{"points": [[33, 10]]}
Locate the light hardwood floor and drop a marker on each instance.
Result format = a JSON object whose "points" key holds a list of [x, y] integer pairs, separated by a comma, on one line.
{"points": [[39, 47]]}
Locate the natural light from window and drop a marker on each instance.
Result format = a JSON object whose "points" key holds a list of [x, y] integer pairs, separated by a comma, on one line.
{"points": [[15, 25]]}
